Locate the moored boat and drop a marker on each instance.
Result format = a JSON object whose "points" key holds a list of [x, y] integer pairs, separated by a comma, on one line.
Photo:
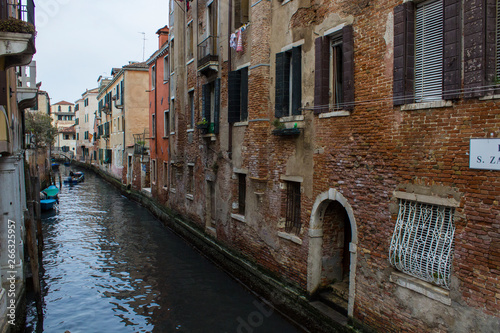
{"points": [[74, 178], [47, 204]]}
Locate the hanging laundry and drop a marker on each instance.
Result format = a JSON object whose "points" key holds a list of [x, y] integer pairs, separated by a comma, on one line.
{"points": [[232, 41], [239, 47]]}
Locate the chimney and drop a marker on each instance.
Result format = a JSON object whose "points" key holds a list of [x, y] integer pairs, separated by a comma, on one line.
{"points": [[162, 36]]}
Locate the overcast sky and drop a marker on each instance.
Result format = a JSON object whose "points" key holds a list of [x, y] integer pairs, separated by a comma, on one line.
{"points": [[78, 40]]}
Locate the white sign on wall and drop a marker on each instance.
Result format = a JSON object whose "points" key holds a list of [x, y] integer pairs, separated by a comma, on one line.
{"points": [[484, 154]]}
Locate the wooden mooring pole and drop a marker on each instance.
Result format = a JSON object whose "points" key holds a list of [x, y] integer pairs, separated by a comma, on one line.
{"points": [[38, 218], [31, 241]]}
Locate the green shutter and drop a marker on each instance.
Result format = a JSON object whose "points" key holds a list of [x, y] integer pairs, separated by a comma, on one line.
{"points": [[296, 81]]}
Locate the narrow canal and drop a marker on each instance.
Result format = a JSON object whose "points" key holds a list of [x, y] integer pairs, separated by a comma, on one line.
{"points": [[110, 266]]}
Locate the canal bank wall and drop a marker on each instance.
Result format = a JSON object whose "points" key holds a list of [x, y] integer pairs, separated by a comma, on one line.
{"points": [[310, 314]]}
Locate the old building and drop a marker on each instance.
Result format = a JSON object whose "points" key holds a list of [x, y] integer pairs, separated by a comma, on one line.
{"points": [[63, 118], [17, 92], [347, 147], [85, 113], [159, 117], [122, 112]]}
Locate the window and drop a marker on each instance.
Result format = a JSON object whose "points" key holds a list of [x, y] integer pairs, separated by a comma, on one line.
{"points": [[191, 109], [334, 71], [292, 213], [172, 115], [78, 136], [166, 69], [153, 171], [422, 243], [190, 179], [59, 117], [165, 174], [242, 189], [172, 56], [166, 123], [153, 125], [238, 95], [59, 108], [66, 136], [189, 41], [211, 105], [240, 13], [153, 77], [69, 108], [423, 72], [288, 83]]}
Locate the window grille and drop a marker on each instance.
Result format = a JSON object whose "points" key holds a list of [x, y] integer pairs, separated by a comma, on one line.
{"points": [[293, 223], [429, 51], [422, 243]]}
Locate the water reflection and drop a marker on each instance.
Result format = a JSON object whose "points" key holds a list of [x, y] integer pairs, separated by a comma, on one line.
{"points": [[110, 266]]}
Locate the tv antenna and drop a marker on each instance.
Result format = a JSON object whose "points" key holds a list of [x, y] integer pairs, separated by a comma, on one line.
{"points": [[143, 44]]}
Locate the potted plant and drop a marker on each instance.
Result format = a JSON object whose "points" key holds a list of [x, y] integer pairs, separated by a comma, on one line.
{"points": [[203, 125]]}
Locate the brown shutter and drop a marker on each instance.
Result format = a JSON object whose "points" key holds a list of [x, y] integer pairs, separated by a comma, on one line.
{"points": [[3, 88], [296, 81], [474, 45], [321, 75], [404, 53], [451, 79], [348, 67]]}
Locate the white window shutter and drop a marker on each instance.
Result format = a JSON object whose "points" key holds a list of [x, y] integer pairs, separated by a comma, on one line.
{"points": [[429, 40]]}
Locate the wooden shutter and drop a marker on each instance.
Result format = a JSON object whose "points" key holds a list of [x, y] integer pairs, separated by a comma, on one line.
{"points": [[452, 44], [280, 85], [244, 94], [296, 80], [474, 45], [321, 75], [404, 50], [217, 106], [429, 51], [3, 88], [348, 67], [206, 102], [234, 103]]}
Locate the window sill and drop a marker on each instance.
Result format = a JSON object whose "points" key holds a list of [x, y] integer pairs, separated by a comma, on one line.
{"points": [[190, 130], [173, 190], [190, 61], [490, 97], [172, 133], [421, 287], [165, 81], [426, 105], [334, 114], [239, 217], [165, 188], [290, 237], [190, 197], [240, 124], [291, 118], [165, 137], [210, 135]]}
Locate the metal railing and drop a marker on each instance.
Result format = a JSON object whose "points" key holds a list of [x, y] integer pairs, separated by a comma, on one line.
{"points": [[24, 10], [141, 143], [207, 51]]}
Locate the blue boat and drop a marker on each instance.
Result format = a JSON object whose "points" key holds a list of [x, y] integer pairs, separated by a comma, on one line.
{"points": [[74, 179], [47, 204], [51, 192]]}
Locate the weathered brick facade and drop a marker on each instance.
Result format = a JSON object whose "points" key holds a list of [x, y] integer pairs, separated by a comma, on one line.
{"points": [[354, 162]]}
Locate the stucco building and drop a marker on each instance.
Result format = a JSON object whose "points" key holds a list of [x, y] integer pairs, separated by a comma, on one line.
{"points": [[159, 117], [63, 118], [122, 111], [85, 113], [18, 91], [359, 141]]}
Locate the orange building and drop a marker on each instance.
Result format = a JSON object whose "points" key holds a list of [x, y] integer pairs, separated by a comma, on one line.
{"points": [[159, 117]]}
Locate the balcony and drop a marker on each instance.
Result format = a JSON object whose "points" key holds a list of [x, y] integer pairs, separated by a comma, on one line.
{"points": [[208, 58], [17, 38], [141, 143], [26, 86]]}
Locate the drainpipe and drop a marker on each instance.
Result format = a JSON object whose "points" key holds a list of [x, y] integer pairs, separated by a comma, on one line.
{"points": [[230, 22]]}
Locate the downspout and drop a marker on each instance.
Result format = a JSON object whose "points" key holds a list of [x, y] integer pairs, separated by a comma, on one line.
{"points": [[230, 23]]}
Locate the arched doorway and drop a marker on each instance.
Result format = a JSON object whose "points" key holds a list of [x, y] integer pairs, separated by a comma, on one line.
{"points": [[332, 250]]}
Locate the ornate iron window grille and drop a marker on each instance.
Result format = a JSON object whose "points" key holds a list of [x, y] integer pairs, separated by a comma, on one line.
{"points": [[422, 243]]}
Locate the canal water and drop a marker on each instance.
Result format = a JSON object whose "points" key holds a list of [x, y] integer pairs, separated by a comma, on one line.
{"points": [[110, 266]]}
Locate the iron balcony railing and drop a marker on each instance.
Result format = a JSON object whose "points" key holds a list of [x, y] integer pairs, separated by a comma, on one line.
{"points": [[207, 51], [23, 9]]}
